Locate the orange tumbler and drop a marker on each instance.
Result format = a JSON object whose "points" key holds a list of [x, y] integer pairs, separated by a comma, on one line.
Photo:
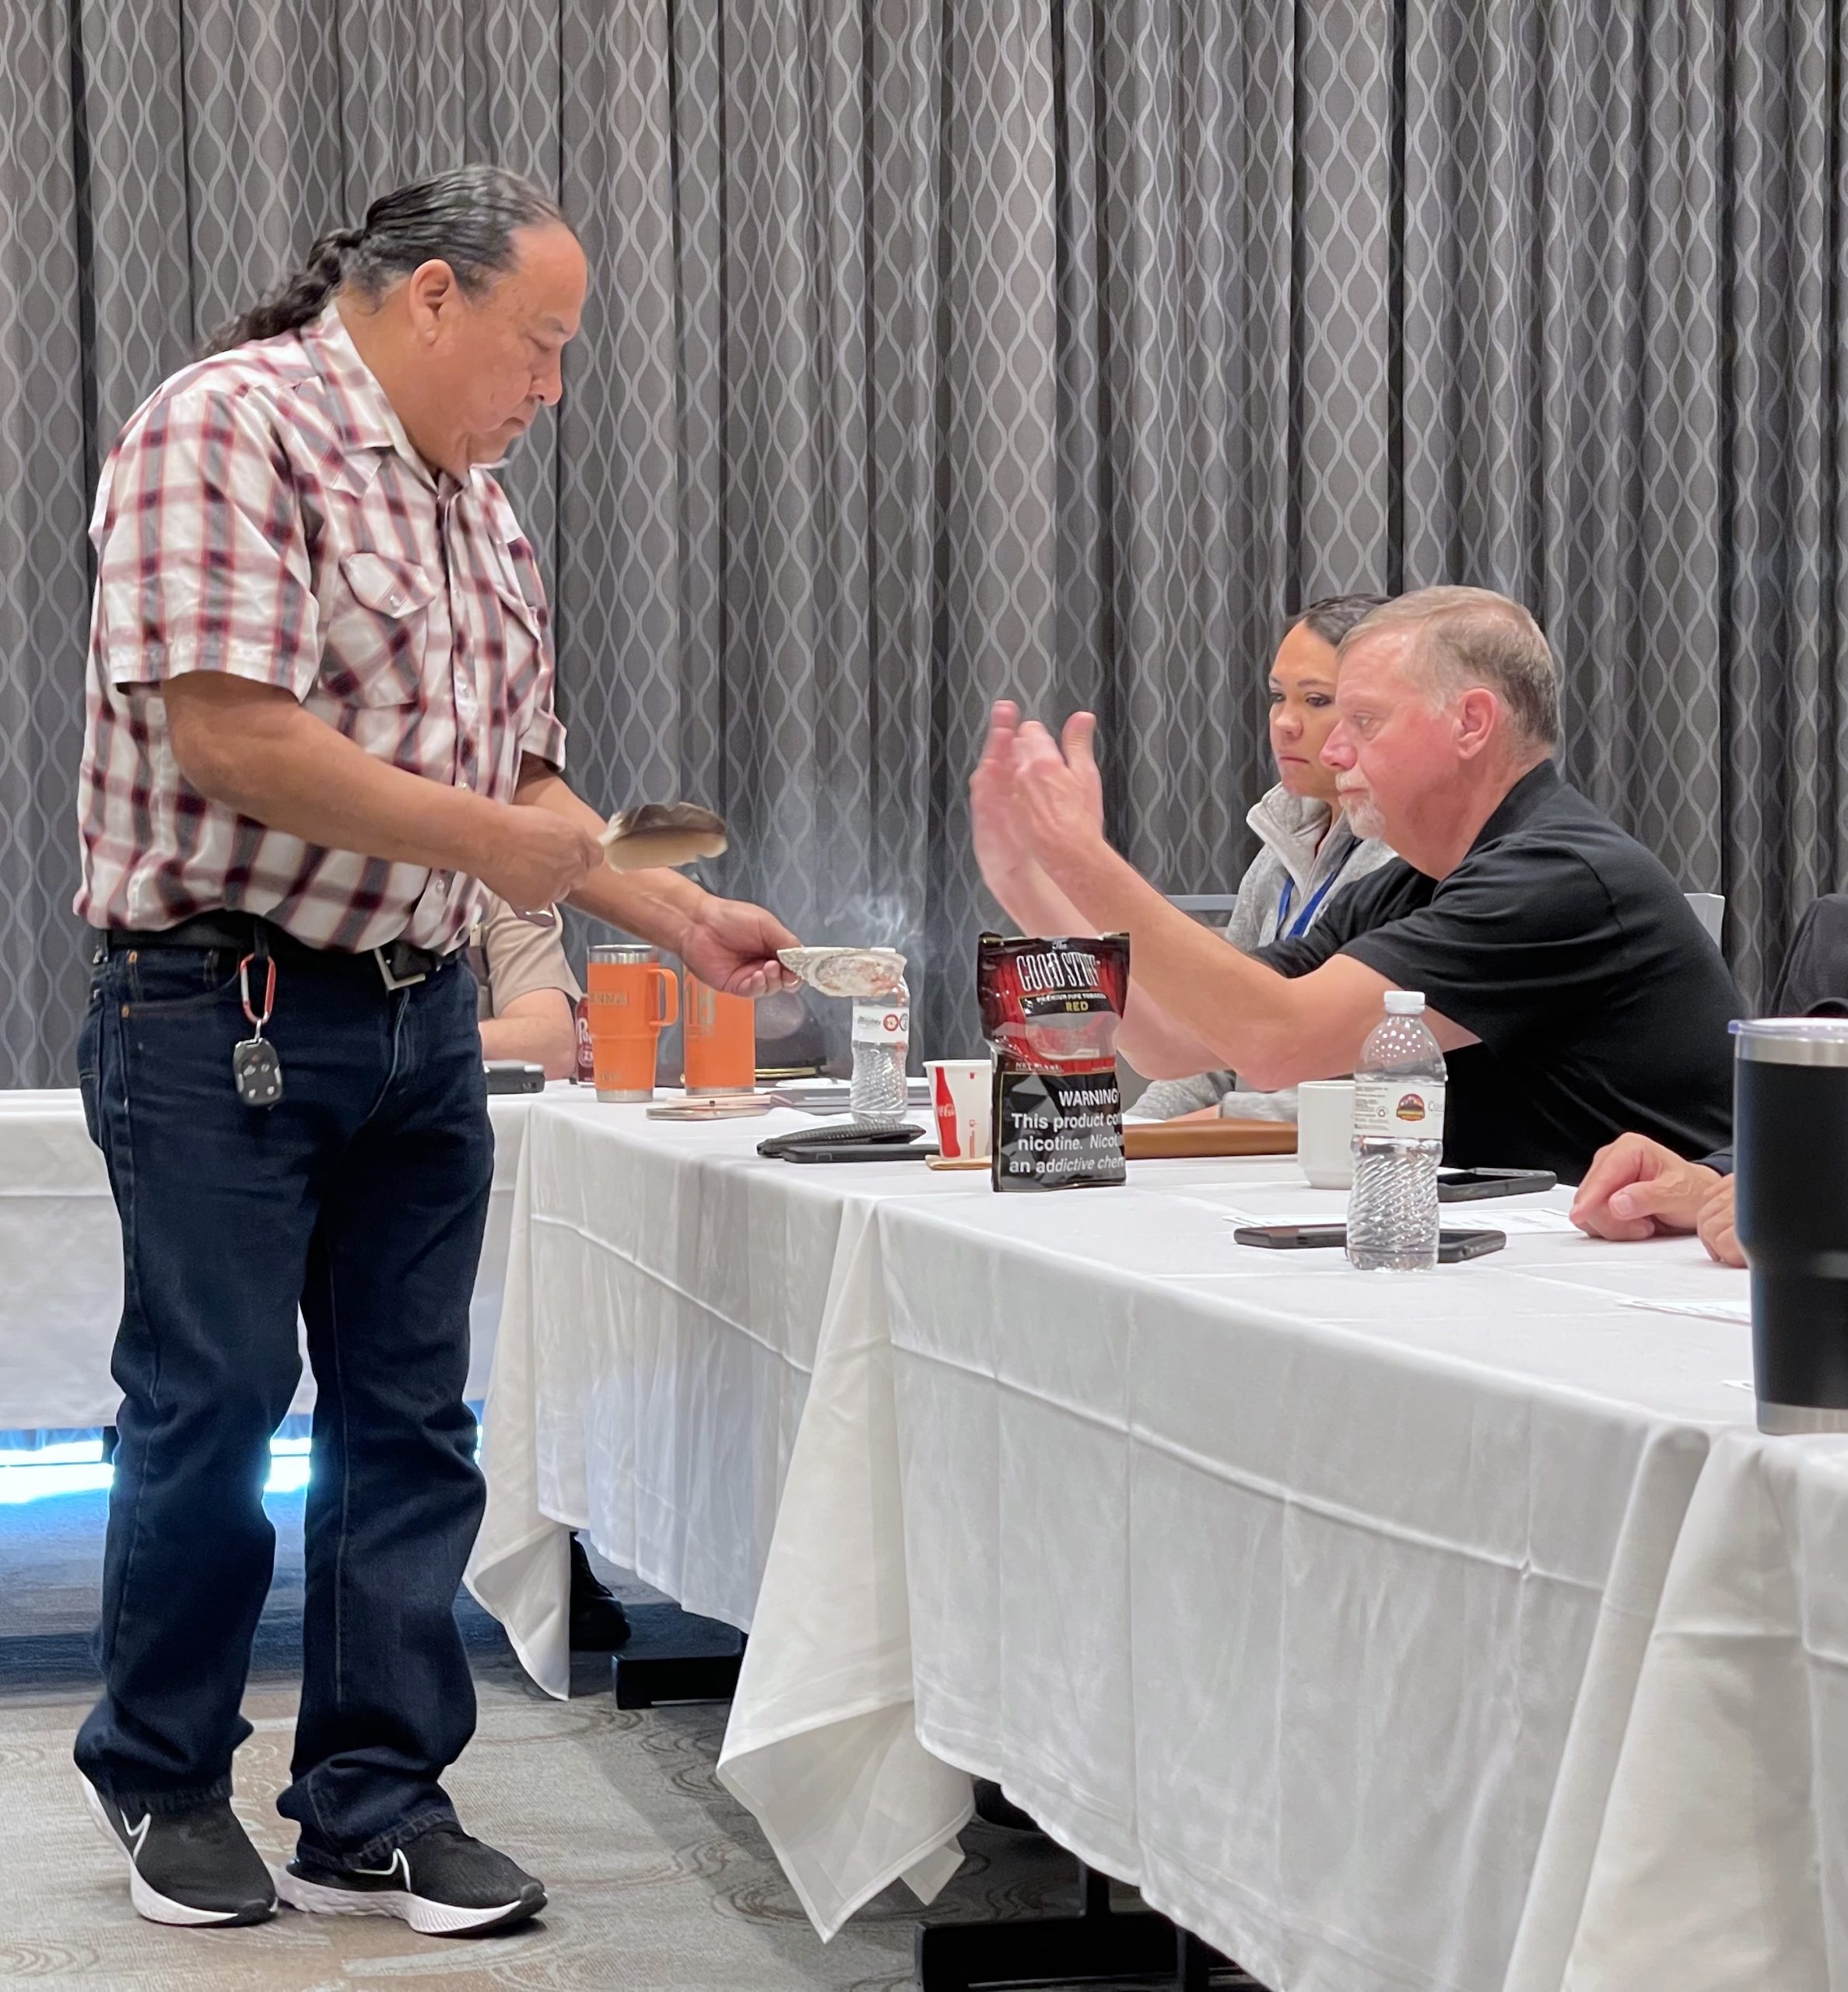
{"points": [[719, 1040], [630, 999]]}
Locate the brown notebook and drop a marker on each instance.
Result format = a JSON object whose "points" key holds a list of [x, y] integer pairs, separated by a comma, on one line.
{"points": [[1146, 1141]]}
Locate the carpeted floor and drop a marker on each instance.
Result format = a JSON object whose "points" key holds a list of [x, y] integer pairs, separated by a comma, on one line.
{"points": [[658, 1880]]}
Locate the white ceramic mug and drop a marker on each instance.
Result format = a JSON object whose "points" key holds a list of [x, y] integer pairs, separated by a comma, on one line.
{"points": [[962, 1098], [1325, 1132]]}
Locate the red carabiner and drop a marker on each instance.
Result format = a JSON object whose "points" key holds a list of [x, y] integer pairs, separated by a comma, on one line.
{"points": [[269, 993]]}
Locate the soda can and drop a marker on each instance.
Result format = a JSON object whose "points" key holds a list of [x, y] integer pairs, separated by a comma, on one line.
{"points": [[586, 1073]]}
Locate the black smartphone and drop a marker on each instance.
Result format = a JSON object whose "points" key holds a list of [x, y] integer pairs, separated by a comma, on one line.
{"points": [[818, 1144], [1291, 1237], [861, 1152], [1469, 1185], [513, 1075], [805, 1142], [1452, 1245]]}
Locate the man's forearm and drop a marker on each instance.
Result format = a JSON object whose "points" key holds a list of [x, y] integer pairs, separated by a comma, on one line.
{"points": [[1036, 906], [1154, 1044], [550, 1041], [1204, 992], [656, 904], [1149, 1040], [286, 768]]}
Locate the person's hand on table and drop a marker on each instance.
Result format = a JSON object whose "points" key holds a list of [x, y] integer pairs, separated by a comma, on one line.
{"points": [[1718, 1225], [1636, 1188], [731, 945]]}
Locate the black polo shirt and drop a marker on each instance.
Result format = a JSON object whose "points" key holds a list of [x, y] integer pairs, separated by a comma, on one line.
{"points": [[1601, 1004]]}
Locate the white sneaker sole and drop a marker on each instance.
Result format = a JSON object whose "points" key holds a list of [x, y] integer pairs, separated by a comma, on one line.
{"points": [[148, 1903], [429, 1919]]}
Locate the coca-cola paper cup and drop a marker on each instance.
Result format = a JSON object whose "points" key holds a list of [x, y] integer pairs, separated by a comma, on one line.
{"points": [[961, 1098]]}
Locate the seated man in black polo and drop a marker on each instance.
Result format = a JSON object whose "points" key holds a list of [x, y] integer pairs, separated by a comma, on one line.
{"points": [[1573, 990]]}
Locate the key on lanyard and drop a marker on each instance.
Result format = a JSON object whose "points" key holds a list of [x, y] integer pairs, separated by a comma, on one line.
{"points": [[256, 1070]]}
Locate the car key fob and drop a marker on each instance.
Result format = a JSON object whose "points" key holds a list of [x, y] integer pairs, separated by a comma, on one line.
{"points": [[256, 1072]]}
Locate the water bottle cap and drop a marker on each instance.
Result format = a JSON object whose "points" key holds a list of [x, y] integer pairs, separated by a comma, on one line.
{"points": [[1404, 1002]]}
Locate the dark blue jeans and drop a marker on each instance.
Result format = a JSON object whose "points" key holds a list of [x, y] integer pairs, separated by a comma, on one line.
{"points": [[361, 1198]]}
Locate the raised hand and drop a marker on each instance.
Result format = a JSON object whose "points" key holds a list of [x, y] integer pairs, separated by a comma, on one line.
{"points": [[1058, 805], [1079, 740], [1004, 862]]}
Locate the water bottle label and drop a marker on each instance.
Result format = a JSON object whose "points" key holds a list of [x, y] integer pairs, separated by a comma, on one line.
{"points": [[1406, 1109], [888, 1024]]}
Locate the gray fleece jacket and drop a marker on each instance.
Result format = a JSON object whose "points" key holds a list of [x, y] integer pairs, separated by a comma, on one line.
{"points": [[1288, 828]]}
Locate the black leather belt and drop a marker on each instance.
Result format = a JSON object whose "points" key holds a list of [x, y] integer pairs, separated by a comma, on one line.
{"points": [[399, 963]]}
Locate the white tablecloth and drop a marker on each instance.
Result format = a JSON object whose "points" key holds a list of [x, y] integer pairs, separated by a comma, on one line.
{"points": [[1312, 1601], [1738, 1742], [667, 1292], [1315, 1603], [676, 1309], [61, 1262]]}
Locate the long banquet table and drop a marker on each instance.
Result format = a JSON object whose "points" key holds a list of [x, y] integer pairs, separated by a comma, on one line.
{"points": [[1359, 1621], [61, 1262]]}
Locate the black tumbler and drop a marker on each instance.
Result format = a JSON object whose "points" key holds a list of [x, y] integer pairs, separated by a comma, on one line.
{"points": [[1790, 1150]]}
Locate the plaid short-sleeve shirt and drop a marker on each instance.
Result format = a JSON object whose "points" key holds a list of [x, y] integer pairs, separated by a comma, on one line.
{"points": [[264, 513]]}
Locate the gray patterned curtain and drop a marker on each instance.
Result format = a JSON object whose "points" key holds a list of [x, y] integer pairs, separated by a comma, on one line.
{"points": [[1058, 349], [1546, 297]]}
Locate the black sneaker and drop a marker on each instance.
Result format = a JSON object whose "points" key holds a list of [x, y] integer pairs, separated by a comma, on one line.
{"points": [[442, 1883], [195, 1867], [598, 1622]]}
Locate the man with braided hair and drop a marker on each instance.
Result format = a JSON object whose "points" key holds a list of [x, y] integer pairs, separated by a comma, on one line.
{"points": [[319, 720]]}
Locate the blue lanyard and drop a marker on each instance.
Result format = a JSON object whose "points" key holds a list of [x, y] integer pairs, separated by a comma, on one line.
{"points": [[1306, 918]]}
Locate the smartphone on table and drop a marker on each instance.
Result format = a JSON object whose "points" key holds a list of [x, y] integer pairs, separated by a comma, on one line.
{"points": [[1453, 1246], [849, 1144], [1469, 1185]]}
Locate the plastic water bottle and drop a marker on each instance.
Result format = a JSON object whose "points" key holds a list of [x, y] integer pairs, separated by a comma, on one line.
{"points": [[882, 1037], [1398, 1141]]}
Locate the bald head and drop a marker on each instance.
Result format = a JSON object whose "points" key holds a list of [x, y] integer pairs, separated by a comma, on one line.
{"points": [[1457, 640]]}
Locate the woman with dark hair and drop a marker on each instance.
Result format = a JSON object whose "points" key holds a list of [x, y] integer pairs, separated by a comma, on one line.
{"points": [[319, 720], [1308, 851]]}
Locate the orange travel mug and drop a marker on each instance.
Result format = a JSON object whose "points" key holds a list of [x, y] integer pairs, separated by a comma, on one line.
{"points": [[719, 1040], [630, 999]]}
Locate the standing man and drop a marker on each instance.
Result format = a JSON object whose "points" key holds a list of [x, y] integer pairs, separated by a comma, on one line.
{"points": [[320, 709]]}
